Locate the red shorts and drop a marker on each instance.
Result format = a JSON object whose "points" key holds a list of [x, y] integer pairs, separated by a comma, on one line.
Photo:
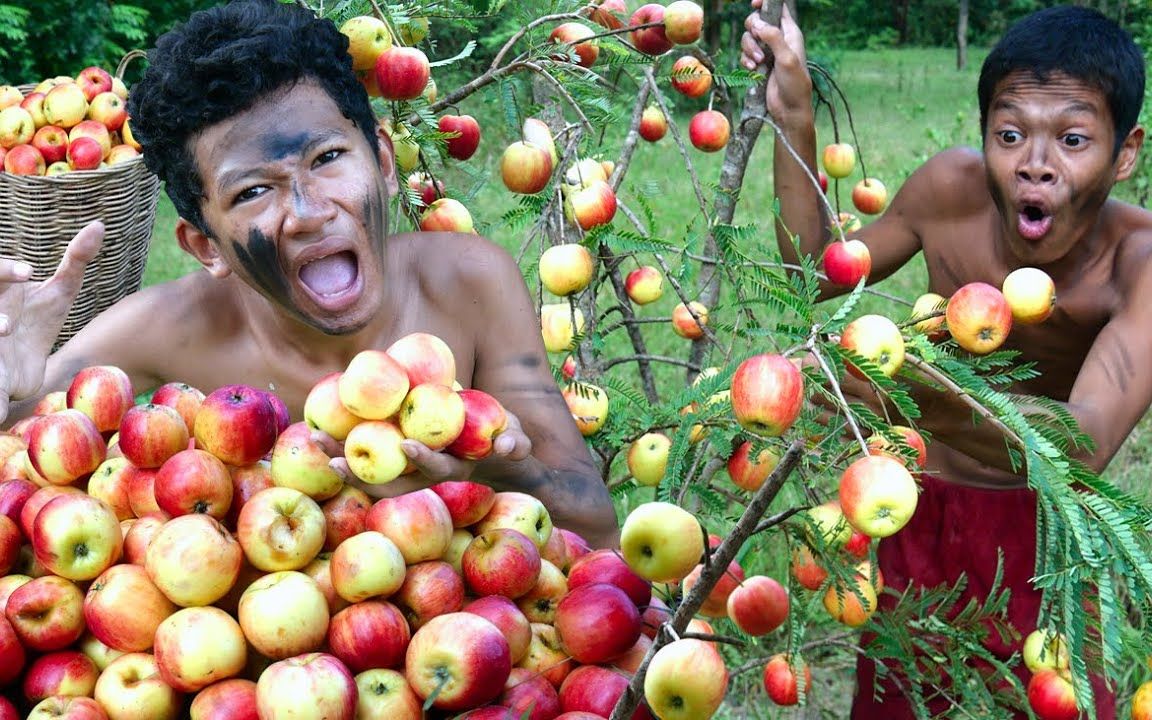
{"points": [[958, 529]]}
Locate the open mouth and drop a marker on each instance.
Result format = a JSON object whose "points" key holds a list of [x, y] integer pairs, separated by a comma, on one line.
{"points": [[1033, 221], [331, 278]]}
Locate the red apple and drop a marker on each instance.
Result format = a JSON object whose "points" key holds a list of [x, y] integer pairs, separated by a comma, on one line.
{"points": [[300, 463], [373, 385], [424, 186], [324, 411], [24, 160], [193, 481], [11, 540], [839, 160], [150, 434], [246, 482], [758, 605], [47, 613], [432, 414], [870, 196], [123, 608], [64, 672], [501, 561], [233, 699], [417, 522], [314, 686], [431, 589], [591, 206], [463, 145], [688, 321], [369, 634], [606, 566], [1031, 295], [141, 484], [749, 474], [709, 130], [76, 536], [65, 446], [683, 22], [876, 338], [140, 535], [425, 357], [183, 397], [13, 494], [467, 502], [12, 653], [94, 130], [484, 420], [237, 424], [597, 622], [878, 495], [52, 142], [690, 77], [368, 36], [65, 105], [109, 110], [63, 707], [595, 690], [93, 81], [525, 167], [461, 654], [447, 215], [767, 394], [507, 617], [908, 440], [345, 515], [649, 40], [644, 285], [846, 263], [608, 13], [781, 681], [575, 34], [402, 73], [36, 502], [1052, 697], [716, 604], [529, 696], [653, 124], [354, 579]]}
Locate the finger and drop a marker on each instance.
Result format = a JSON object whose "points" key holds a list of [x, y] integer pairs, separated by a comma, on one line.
{"points": [[6, 326], [340, 465], [80, 251], [330, 445], [750, 53], [513, 445], [433, 465], [14, 271]]}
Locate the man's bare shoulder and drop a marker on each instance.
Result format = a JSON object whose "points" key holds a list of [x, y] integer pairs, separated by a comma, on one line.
{"points": [[468, 263], [1132, 227], [950, 183]]}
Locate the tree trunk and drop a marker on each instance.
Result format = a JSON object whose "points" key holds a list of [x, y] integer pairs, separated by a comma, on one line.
{"points": [[962, 36], [902, 20]]}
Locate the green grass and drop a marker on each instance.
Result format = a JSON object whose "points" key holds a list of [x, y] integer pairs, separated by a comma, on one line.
{"points": [[907, 105]]}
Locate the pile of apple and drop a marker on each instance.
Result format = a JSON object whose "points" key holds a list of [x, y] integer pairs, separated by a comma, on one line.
{"points": [[66, 124], [198, 554]]}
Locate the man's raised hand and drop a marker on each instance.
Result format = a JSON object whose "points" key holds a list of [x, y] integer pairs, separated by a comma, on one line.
{"points": [[789, 89], [32, 313]]}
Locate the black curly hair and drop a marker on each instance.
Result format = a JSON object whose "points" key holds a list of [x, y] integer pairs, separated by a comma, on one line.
{"points": [[220, 63]]}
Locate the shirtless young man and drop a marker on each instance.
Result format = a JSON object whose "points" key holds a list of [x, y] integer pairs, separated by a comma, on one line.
{"points": [[1059, 98], [252, 116]]}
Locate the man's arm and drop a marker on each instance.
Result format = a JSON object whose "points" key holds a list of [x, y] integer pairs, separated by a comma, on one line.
{"points": [[511, 364], [1110, 395], [891, 240]]}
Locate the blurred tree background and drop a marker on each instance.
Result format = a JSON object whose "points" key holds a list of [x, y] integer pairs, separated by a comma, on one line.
{"points": [[41, 38]]}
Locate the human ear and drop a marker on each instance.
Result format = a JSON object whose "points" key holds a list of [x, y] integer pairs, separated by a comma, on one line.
{"points": [[386, 156], [197, 244], [1129, 152]]}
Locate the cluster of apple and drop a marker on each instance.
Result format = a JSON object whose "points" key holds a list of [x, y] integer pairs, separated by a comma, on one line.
{"points": [[200, 548], [977, 316], [407, 392], [66, 124], [868, 195]]}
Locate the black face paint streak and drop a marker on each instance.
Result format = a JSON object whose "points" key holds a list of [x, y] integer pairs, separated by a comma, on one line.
{"points": [[375, 220], [260, 262], [278, 147]]}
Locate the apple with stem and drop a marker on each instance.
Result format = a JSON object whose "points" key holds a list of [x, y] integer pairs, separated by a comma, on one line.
{"points": [[875, 338], [847, 262], [661, 541], [979, 317], [686, 679]]}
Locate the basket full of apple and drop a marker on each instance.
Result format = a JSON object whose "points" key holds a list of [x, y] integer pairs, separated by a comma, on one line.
{"points": [[67, 158]]}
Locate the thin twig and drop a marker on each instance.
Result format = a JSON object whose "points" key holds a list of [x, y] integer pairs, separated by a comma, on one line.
{"points": [[650, 358], [839, 396]]}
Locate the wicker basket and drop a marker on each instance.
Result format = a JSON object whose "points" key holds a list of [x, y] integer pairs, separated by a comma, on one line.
{"points": [[39, 215]]}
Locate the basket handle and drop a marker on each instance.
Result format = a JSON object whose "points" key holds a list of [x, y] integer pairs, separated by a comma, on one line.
{"points": [[127, 59]]}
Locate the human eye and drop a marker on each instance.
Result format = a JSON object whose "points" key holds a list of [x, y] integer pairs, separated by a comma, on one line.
{"points": [[248, 194], [1074, 140], [1010, 137], [328, 156]]}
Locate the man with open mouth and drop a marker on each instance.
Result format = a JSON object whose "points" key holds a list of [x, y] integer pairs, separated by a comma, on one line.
{"points": [[252, 116], [1059, 99]]}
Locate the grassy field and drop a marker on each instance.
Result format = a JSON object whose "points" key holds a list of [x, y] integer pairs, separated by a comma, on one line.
{"points": [[907, 105]]}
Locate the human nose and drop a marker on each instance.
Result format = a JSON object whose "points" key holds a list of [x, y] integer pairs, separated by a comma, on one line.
{"points": [[308, 208], [1036, 166]]}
